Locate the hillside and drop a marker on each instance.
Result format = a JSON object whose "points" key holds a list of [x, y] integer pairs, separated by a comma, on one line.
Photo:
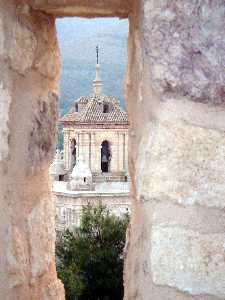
{"points": [[78, 39]]}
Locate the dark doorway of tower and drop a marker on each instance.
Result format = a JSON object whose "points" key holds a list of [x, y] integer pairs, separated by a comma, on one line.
{"points": [[105, 157], [73, 149]]}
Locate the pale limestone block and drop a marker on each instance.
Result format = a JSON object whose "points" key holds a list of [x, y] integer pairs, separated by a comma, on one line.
{"points": [[176, 36], [5, 101], [41, 241], [2, 38], [49, 63], [189, 261], [66, 150], [196, 218], [119, 152], [22, 48], [182, 163], [16, 257], [54, 291]]}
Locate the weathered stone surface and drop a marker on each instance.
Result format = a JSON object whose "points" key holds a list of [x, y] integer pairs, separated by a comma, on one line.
{"points": [[28, 114], [5, 101], [41, 241], [43, 130], [54, 291], [174, 91], [83, 8], [2, 38], [48, 56], [16, 257], [189, 217], [184, 44], [189, 261], [47, 65], [185, 164], [22, 48], [176, 53]]}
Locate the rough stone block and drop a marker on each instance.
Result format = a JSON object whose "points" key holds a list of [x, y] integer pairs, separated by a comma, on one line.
{"points": [[41, 241], [48, 64], [16, 257], [185, 164], [22, 48], [54, 291], [2, 38], [185, 47], [189, 261], [5, 101]]}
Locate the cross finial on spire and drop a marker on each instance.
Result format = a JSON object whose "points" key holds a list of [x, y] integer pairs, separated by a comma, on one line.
{"points": [[97, 83], [97, 53]]}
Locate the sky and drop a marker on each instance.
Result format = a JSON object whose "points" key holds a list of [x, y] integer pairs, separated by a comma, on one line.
{"points": [[78, 38]]}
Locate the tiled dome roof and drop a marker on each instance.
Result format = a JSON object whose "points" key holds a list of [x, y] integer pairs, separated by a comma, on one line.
{"points": [[96, 109]]}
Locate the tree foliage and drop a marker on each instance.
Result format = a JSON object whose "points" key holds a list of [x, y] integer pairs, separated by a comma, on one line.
{"points": [[90, 259]]}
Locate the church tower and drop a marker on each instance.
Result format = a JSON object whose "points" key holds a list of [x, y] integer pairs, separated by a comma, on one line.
{"points": [[96, 127]]}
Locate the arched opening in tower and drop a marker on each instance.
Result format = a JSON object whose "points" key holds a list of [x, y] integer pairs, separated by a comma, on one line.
{"points": [[105, 157], [73, 152]]}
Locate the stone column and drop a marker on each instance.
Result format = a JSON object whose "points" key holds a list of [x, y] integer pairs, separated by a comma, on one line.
{"points": [[94, 153], [125, 151], [97, 153], [176, 104], [86, 147], [29, 63], [89, 149], [118, 151], [121, 152], [79, 149], [114, 155], [66, 148]]}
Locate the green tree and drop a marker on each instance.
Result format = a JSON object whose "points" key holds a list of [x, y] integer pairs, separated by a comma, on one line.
{"points": [[90, 259]]}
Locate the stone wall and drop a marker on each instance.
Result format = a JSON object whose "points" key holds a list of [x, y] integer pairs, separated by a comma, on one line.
{"points": [[69, 206], [175, 96], [175, 91], [83, 8], [29, 63]]}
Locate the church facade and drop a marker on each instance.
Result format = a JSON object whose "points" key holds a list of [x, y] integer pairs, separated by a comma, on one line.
{"points": [[94, 166], [96, 127]]}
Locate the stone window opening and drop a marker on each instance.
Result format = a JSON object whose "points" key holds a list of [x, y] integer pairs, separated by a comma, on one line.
{"points": [[105, 156], [156, 249], [73, 147], [38, 61], [105, 108], [76, 107], [61, 177]]}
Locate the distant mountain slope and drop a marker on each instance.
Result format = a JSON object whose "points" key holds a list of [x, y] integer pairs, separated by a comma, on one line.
{"points": [[77, 39]]}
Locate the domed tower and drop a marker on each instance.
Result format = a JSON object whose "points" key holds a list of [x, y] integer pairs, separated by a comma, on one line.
{"points": [[97, 126], [57, 169], [81, 177]]}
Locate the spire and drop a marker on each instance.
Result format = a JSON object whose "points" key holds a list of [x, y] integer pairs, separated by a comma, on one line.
{"points": [[97, 82], [97, 53]]}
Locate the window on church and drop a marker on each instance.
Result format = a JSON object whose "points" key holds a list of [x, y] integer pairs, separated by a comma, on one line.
{"points": [[105, 156], [84, 179], [61, 177], [105, 108], [76, 107]]}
